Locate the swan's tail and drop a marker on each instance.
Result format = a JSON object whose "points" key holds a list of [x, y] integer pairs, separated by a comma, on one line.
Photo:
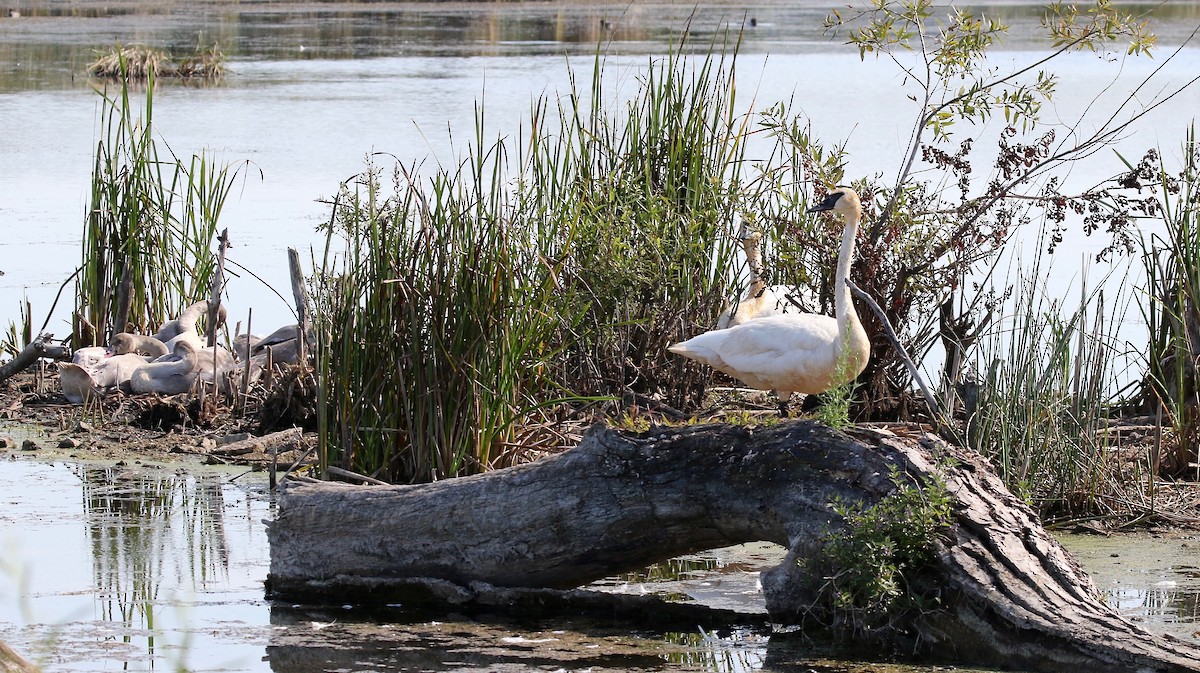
{"points": [[693, 351]]}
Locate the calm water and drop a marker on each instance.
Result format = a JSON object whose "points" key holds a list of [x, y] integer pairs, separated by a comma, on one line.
{"points": [[148, 567], [314, 89]]}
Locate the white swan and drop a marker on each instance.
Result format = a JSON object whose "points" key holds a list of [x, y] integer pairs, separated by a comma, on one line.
{"points": [[80, 384], [95, 371], [761, 300], [213, 363], [796, 352], [170, 374], [184, 327], [90, 355]]}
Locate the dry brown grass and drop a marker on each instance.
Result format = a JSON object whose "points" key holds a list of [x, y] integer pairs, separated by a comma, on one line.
{"points": [[139, 62]]}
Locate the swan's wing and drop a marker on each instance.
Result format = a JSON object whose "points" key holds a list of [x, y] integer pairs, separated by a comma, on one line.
{"points": [[788, 352], [76, 382], [764, 342], [117, 370]]}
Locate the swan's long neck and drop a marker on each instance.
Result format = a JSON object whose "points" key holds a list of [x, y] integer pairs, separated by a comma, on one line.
{"points": [[754, 261], [852, 338]]}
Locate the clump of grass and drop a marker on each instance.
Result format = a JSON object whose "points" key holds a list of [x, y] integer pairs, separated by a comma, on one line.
{"points": [[453, 308], [435, 323], [141, 63], [19, 335], [149, 228], [1047, 376], [642, 195], [871, 567], [1172, 264]]}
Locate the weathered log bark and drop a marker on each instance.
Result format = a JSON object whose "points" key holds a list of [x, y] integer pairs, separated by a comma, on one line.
{"points": [[617, 502], [38, 348]]}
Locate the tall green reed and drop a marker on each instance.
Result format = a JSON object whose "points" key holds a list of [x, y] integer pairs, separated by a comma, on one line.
{"points": [[452, 308], [150, 225], [434, 322], [1047, 375], [1172, 263], [643, 194]]}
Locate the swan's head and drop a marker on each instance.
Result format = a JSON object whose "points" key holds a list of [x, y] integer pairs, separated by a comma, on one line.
{"points": [[222, 314], [841, 200], [749, 235], [123, 343]]}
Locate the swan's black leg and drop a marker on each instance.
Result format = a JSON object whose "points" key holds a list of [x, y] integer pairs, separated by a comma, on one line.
{"points": [[811, 403]]}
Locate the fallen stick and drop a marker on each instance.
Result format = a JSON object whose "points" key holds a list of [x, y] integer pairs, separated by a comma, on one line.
{"points": [[37, 349]]}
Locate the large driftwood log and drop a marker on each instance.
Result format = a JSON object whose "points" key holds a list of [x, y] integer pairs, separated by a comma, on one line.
{"points": [[618, 502]]}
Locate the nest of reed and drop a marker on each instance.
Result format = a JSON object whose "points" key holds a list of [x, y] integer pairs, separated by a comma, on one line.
{"points": [[139, 62]]}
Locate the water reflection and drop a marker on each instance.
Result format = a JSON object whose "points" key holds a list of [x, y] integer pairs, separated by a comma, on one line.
{"points": [[742, 650], [147, 528], [1149, 578], [1160, 605], [49, 47], [143, 568]]}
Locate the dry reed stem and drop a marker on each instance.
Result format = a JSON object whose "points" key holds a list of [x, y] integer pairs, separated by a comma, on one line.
{"points": [[140, 62]]}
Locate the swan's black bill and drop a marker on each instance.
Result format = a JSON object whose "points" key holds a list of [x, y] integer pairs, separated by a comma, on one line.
{"points": [[828, 204]]}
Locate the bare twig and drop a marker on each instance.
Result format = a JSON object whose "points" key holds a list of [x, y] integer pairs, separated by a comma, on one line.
{"points": [[940, 418], [37, 349]]}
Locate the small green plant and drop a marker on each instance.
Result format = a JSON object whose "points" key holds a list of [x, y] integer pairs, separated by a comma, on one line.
{"points": [[750, 418], [835, 406], [631, 422], [834, 410], [870, 568], [19, 335]]}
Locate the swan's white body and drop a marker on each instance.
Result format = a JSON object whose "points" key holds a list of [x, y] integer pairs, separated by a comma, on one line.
{"points": [[761, 300], [95, 370], [170, 374], [80, 383], [90, 355], [795, 352], [145, 363], [213, 362]]}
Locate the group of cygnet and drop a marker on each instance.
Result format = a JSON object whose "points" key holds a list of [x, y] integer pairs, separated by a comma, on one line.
{"points": [[171, 361]]}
